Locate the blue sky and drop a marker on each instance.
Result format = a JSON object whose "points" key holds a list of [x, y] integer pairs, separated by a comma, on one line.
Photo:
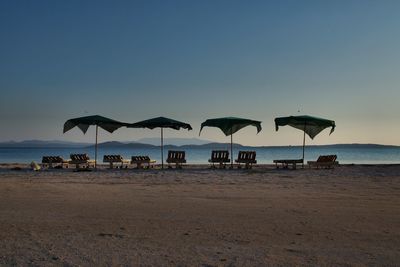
{"points": [[193, 60]]}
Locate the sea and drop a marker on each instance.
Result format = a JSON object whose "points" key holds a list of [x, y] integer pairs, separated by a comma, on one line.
{"points": [[265, 155]]}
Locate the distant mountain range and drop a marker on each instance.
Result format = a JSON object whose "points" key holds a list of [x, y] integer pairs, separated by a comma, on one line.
{"points": [[140, 142], [174, 141], [170, 143], [136, 145]]}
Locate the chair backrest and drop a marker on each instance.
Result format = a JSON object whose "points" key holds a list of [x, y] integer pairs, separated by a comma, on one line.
{"points": [[242, 155], [52, 159], [112, 158], [180, 155], [140, 158], [219, 154], [327, 158], [79, 157], [251, 155], [247, 155]]}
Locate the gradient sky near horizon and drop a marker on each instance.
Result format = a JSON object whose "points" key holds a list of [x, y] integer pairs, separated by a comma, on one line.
{"points": [[193, 60]]}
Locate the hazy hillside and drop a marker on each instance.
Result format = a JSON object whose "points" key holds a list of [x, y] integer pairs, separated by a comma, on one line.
{"points": [[185, 143], [173, 141]]}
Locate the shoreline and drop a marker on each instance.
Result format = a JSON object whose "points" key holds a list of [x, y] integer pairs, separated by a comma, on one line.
{"points": [[157, 167]]}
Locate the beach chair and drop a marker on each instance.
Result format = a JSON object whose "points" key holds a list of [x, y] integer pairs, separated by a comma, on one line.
{"points": [[140, 162], [81, 159], [324, 161], [54, 162], [219, 156], [246, 157], [111, 159], [177, 158], [285, 163]]}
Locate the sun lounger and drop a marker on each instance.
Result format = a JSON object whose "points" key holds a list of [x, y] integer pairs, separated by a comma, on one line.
{"points": [[219, 156], [111, 159], [246, 157], [54, 162], [326, 161], [176, 157], [81, 159], [141, 160], [285, 163]]}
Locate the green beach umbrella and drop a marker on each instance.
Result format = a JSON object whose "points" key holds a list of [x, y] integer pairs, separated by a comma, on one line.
{"points": [[161, 122], [83, 123], [310, 125], [229, 126]]}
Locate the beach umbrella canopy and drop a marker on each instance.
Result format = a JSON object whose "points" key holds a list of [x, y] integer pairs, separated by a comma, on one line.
{"points": [[230, 125], [310, 125], [161, 122], [83, 123]]}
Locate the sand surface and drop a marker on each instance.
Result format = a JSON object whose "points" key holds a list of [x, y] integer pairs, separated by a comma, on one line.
{"points": [[348, 216]]}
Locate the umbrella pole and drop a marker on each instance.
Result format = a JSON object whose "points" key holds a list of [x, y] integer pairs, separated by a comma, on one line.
{"points": [[162, 149], [304, 141], [95, 149], [231, 150]]}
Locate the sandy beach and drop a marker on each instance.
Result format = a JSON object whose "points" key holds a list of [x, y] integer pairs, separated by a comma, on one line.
{"points": [[348, 216]]}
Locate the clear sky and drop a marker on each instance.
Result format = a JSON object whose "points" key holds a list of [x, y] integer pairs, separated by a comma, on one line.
{"points": [[193, 60]]}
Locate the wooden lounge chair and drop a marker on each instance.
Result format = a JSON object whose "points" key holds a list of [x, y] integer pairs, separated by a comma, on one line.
{"points": [[285, 163], [54, 162], [246, 157], [177, 158], [219, 156], [324, 161], [141, 160], [81, 159], [111, 159]]}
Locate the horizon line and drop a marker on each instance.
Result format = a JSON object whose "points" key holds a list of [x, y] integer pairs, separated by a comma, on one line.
{"points": [[211, 142]]}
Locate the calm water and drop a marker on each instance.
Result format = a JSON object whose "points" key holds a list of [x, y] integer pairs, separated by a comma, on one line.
{"points": [[199, 155]]}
